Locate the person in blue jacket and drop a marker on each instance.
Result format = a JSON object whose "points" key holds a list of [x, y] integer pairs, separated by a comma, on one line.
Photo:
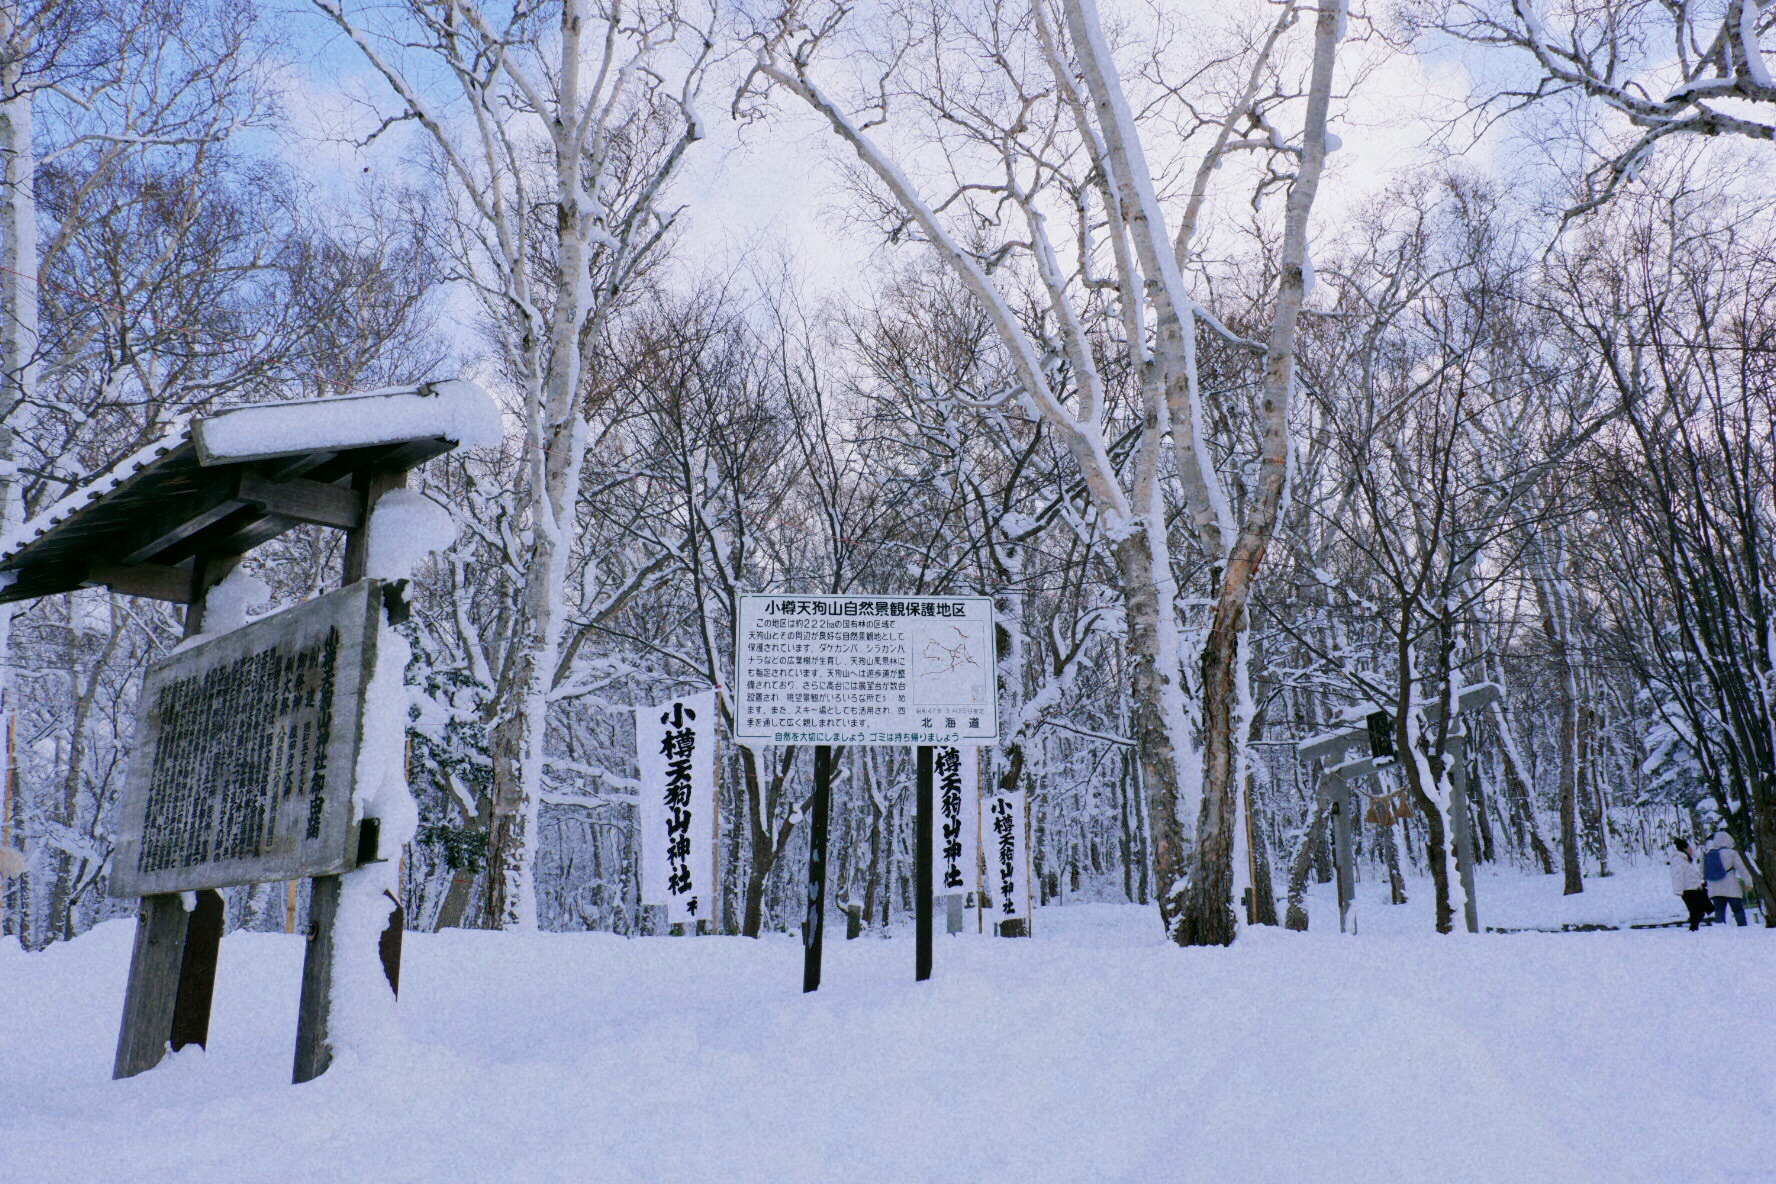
{"points": [[1724, 870]]}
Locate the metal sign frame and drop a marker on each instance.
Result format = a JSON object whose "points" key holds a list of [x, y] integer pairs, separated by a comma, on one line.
{"points": [[818, 669]]}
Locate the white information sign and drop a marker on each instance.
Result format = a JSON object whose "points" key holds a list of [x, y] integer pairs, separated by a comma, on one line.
{"points": [[675, 750], [866, 670], [1008, 856], [955, 839]]}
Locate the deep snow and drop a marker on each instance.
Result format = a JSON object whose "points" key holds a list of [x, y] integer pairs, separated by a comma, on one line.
{"points": [[1092, 1052]]}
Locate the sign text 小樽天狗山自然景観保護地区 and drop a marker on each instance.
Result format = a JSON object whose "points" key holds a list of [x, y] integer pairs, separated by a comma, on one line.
{"points": [[903, 670]]}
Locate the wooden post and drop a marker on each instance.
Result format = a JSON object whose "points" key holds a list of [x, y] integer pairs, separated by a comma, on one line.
{"points": [[153, 989], [985, 769], [197, 971], [314, 1048], [814, 923], [313, 1051], [715, 827], [172, 975], [922, 866], [1251, 852], [1464, 830], [389, 945], [1032, 894], [1343, 854]]}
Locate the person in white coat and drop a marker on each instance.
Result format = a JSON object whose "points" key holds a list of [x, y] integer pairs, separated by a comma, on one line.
{"points": [[1724, 870], [1686, 881]]}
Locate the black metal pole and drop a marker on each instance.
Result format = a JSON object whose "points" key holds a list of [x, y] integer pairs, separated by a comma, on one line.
{"points": [[813, 925], [922, 867]]}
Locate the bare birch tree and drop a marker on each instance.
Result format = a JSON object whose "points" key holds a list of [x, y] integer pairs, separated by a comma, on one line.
{"points": [[1030, 111], [562, 128], [1678, 68]]}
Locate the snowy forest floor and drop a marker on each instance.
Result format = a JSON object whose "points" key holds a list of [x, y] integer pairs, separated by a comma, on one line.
{"points": [[1093, 1052]]}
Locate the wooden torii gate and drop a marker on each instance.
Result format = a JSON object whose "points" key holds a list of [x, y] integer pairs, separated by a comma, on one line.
{"points": [[171, 522], [1335, 785]]}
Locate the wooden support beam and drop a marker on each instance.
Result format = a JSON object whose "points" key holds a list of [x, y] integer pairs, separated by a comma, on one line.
{"points": [[1336, 796], [156, 581], [149, 1000], [172, 974], [182, 519], [314, 1043], [1332, 745], [314, 1051], [197, 971], [300, 500]]}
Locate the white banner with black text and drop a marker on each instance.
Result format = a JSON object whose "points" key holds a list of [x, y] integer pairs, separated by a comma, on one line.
{"points": [[1008, 856], [956, 821], [675, 749]]}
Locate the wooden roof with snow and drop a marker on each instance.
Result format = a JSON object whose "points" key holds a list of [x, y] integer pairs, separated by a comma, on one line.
{"points": [[227, 482]]}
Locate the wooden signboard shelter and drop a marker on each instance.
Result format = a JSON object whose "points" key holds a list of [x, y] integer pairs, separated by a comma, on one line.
{"points": [[1339, 773], [169, 523]]}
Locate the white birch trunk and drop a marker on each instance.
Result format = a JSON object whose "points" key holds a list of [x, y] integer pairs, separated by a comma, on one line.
{"points": [[18, 309]]}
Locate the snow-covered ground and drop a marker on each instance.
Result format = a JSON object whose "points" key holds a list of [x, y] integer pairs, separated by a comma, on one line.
{"points": [[1093, 1052], [1510, 900]]}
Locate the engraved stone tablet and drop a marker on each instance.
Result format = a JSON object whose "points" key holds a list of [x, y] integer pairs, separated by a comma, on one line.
{"points": [[245, 751]]}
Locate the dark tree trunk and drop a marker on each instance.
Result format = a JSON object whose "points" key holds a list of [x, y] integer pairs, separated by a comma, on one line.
{"points": [[1208, 917], [1313, 841], [1264, 906], [1390, 850]]}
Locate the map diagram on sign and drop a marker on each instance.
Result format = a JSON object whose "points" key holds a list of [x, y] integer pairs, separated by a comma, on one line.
{"points": [[951, 663]]}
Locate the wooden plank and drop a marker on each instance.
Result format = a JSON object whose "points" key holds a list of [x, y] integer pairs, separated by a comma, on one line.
{"points": [[177, 523], [1343, 851], [148, 1000], [411, 454], [1356, 768], [197, 972], [40, 580], [300, 500], [155, 581], [314, 1050], [284, 468], [270, 796], [1332, 745]]}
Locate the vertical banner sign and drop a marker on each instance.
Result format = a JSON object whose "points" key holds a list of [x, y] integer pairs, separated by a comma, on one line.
{"points": [[956, 822], [675, 749], [1008, 860]]}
